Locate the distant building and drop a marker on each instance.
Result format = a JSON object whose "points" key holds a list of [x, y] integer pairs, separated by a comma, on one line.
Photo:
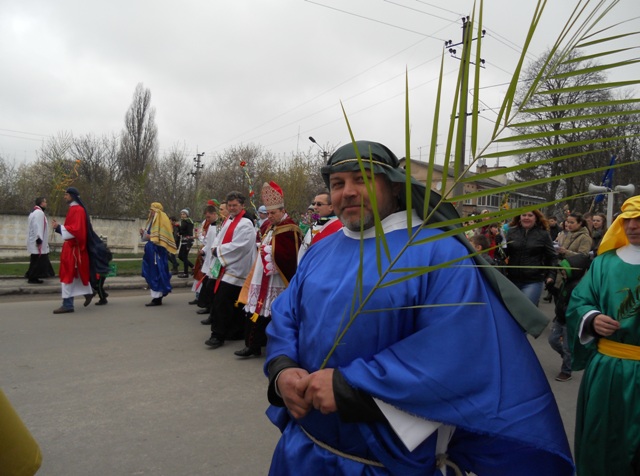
{"points": [[474, 206]]}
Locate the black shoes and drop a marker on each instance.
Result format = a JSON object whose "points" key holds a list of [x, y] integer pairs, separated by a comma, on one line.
{"points": [[154, 302], [195, 301], [248, 352], [206, 322], [183, 275], [35, 281], [63, 310], [101, 302], [214, 342], [203, 311], [88, 298]]}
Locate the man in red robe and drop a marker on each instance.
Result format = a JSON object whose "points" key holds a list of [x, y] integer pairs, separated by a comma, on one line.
{"points": [[74, 258]]}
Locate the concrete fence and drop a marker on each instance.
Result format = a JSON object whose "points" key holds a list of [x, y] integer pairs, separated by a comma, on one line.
{"points": [[121, 235]]}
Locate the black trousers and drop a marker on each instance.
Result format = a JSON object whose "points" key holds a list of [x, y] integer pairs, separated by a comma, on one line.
{"points": [[255, 333], [226, 317], [183, 255], [39, 267], [205, 295]]}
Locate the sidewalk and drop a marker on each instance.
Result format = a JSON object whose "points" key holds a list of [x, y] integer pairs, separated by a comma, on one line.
{"points": [[10, 286]]}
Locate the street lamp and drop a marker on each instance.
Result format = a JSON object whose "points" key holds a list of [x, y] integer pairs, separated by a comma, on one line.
{"points": [[626, 189], [325, 154]]}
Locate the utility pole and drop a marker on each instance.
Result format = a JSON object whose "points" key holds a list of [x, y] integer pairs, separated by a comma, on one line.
{"points": [[461, 137], [195, 173]]}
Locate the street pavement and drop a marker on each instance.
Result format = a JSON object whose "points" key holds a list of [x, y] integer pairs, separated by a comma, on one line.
{"points": [[125, 389]]}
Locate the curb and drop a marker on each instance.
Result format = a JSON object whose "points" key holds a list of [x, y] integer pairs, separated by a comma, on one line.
{"points": [[18, 286]]}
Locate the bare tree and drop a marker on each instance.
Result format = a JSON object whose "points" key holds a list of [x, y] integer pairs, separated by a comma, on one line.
{"points": [[138, 149], [564, 108]]}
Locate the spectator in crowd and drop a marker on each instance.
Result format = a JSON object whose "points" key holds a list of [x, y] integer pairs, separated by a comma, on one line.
{"points": [[577, 239], [262, 215], [599, 224], [481, 244], [554, 228], [98, 283], [185, 232], [532, 257], [604, 331], [38, 244], [176, 238], [572, 270]]}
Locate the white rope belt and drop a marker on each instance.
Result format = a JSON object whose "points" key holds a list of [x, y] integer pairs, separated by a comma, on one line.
{"points": [[441, 459]]}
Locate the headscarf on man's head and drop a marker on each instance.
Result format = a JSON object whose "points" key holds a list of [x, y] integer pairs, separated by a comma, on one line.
{"points": [[160, 228], [381, 160], [615, 237]]}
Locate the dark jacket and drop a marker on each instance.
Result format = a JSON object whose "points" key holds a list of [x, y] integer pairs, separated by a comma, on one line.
{"points": [[186, 232], [575, 268], [530, 248]]}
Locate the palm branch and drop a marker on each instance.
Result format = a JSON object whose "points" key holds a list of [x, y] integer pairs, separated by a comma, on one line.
{"points": [[574, 44]]}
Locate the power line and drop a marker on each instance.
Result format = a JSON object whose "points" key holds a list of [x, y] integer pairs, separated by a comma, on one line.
{"points": [[420, 11], [357, 75], [376, 21], [27, 133]]}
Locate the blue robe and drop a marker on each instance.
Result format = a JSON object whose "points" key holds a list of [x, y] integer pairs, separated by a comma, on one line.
{"points": [[470, 366], [155, 268]]}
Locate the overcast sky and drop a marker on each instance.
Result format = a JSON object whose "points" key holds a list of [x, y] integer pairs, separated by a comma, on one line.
{"points": [[270, 72]]}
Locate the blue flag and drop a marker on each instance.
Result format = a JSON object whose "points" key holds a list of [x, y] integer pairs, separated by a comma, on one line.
{"points": [[607, 180]]}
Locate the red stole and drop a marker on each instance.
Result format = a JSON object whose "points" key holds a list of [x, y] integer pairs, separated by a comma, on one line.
{"points": [[329, 228], [228, 236]]}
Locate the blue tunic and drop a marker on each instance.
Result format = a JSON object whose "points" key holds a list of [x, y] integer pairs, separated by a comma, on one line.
{"points": [[155, 268], [470, 366]]}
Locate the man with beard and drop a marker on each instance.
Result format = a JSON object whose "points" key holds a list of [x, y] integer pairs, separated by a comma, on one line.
{"points": [[423, 381]]}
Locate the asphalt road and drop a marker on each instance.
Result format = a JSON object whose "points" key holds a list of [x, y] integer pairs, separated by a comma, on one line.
{"points": [[124, 389]]}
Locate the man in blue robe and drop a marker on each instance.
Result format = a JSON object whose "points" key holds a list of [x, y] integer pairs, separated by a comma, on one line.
{"points": [[434, 377]]}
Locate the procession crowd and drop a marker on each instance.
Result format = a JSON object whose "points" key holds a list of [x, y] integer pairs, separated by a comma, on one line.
{"points": [[378, 367]]}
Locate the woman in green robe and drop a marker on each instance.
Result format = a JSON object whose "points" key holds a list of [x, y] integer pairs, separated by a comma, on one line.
{"points": [[603, 320]]}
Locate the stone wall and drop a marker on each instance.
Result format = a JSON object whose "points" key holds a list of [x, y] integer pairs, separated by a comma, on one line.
{"points": [[122, 236]]}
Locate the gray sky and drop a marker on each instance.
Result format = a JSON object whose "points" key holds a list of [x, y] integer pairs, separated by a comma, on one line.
{"points": [[223, 73]]}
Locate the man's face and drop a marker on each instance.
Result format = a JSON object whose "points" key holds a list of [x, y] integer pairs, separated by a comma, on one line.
{"points": [[275, 216], [43, 204], [321, 205], [348, 190], [553, 222], [183, 215], [632, 230], [210, 216], [234, 207], [68, 197], [263, 216]]}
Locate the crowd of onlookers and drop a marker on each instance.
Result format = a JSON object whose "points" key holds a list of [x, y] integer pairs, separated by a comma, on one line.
{"points": [[541, 254]]}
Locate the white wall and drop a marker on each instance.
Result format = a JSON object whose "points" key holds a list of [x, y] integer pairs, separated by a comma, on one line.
{"points": [[122, 236]]}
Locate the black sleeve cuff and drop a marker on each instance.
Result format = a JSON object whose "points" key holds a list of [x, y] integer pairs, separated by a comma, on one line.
{"points": [[589, 325], [353, 404], [274, 368]]}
